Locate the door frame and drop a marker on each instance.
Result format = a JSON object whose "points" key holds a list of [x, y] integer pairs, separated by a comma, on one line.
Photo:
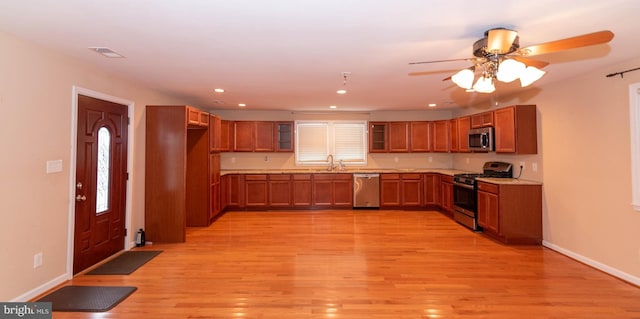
{"points": [[75, 91]]}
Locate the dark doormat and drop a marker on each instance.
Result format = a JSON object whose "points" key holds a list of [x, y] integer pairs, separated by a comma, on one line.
{"points": [[87, 298], [126, 263]]}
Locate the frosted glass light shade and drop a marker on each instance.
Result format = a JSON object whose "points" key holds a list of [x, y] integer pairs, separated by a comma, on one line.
{"points": [[463, 79], [530, 75], [484, 85], [509, 70]]}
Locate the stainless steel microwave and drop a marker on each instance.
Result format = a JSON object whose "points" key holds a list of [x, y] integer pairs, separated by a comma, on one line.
{"points": [[481, 139]]}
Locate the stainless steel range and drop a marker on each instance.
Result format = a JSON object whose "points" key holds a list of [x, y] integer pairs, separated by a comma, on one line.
{"points": [[465, 202]]}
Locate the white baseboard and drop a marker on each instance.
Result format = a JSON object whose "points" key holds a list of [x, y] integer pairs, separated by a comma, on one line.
{"points": [[41, 289], [600, 266]]}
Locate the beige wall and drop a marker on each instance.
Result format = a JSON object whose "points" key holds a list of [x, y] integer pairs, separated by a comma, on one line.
{"points": [[35, 126]]}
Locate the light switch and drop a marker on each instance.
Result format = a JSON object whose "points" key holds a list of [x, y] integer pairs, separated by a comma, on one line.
{"points": [[54, 166]]}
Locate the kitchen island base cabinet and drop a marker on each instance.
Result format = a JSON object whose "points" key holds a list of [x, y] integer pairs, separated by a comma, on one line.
{"points": [[511, 213]]}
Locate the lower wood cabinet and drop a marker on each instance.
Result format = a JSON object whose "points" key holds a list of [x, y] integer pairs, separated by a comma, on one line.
{"points": [[446, 193], [255, 191], [332, 190], [280, 190], [401, 190], [511, 213], [302, 190], [431, 189]]}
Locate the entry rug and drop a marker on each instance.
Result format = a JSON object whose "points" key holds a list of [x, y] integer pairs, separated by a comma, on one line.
{"points": [[126, 263], [87, 298]]}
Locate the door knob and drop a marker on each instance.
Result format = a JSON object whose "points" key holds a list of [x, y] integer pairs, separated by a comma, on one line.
{"points": [[81, 198]]}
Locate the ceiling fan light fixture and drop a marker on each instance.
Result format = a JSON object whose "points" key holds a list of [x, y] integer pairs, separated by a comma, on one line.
{"points": [[484, 85], [464, 78], [530, 75], [509, 70]]}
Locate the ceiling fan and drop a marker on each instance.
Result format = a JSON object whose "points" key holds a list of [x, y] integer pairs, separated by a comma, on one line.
{"points": [[498, 56]]}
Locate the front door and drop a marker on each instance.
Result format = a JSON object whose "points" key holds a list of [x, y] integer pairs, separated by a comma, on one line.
{"points": [[101, 181]]}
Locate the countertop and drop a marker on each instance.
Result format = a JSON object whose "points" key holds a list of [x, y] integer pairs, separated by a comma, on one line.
{"points": [[450, 172]]}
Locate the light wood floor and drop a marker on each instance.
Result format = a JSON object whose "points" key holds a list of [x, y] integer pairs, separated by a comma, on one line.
{"points": [[360, 264]]}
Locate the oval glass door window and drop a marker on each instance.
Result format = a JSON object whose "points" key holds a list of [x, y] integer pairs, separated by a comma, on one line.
{"points": [[104, 167]]}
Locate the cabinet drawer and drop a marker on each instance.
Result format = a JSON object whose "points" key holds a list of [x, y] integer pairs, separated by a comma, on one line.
{"points": [[389, 176], [302, 177], [490, 188], [411, 176], [258, 177], [279, 177], [446, 179]]}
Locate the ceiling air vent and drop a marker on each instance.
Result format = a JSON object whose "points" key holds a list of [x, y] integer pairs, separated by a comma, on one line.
{"points": [[106, 52]]}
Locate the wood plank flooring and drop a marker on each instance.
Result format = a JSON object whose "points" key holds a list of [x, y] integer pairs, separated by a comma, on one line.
{"points": [[359, 264]]}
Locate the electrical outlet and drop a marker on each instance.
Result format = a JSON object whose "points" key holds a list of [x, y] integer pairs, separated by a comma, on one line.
{"points": [[396, 159], [534, 167], [266, 158], [37, 260], [467, 160], [522, 164], [430, 159]]}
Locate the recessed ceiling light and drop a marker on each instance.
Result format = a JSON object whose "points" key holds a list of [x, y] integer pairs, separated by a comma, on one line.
{"points": [[432, 105], [242, 105], [341, 91], [333, 107], [218, 90], [106, 52]]}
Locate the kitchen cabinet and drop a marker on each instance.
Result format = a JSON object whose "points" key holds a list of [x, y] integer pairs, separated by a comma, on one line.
{"points": [[216, 205], [302, 190], [284, 137], [224, 192], [440, 136], [226, 136], [255, 191], [511, 213], [516, 130], [253, 136], [420, 136], [390, 190], [411, 190], [196, 117], [464, 125], [398, 136], [177, 173], [378, 137], [446, 193], [453, 135], [332, 190], [484, 119], [215, 132], [431, 189], [235, 187], [280, 191], [401, 190]]}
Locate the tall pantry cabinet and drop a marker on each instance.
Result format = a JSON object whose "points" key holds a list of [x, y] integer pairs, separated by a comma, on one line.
{"points": [[177, 185]]}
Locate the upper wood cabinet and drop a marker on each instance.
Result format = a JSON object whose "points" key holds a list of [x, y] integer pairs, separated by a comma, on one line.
{"points": [[196, 117], [516, 130], [226, 136], [378, 141], [215, 133], [398, 136], [440, 136], [420, 136], [459, 134], [482, 119], [262, 136], [284, 137]]}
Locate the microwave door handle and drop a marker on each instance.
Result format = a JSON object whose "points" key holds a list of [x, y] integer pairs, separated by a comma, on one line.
{"points": [[484, 140]]}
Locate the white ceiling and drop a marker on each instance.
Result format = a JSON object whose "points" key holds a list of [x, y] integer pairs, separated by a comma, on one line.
{"points": [[290, 54]]}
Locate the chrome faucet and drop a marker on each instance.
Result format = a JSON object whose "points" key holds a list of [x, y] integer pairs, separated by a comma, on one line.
{"points": [[330, 160]]}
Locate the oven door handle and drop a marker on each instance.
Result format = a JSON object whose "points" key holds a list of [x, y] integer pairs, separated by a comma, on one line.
{"points": [[463, 185]]}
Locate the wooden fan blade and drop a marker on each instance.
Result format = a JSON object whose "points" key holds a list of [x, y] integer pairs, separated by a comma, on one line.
{"points": [[438, 61], [500, 40], [568, 43], [530, 62]]}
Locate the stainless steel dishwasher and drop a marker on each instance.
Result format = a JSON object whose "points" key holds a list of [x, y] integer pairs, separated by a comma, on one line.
{"points": [[366, 190]]}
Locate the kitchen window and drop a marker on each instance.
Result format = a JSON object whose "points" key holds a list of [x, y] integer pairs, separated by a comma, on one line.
{"points": [[345, 140]]}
